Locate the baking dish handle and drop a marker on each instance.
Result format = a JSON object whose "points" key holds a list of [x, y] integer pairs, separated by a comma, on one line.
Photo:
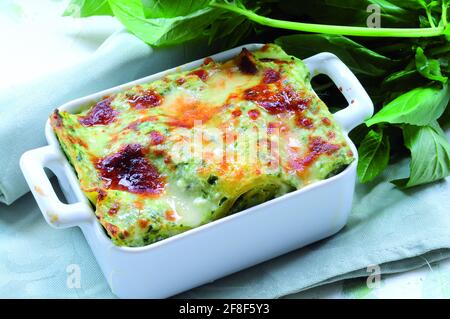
{"points": [[56, 213], [360, 106]]}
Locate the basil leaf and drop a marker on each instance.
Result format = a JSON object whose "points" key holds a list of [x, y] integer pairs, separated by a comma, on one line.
{"points": [[358, 58], [358, 134], [399, 76], [420, 106], [230, 29], [429, 68], [373, 155], [152, 8], [444, 61], [172, 8], [87, 8], [402, 81], [430, 155], [393, 13], [162, 31]]}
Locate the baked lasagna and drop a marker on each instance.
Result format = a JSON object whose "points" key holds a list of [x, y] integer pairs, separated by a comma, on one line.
{"points": [[164, 157]]}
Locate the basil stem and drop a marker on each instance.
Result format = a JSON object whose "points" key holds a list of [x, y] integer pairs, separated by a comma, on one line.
{"points": [[336, 29]]}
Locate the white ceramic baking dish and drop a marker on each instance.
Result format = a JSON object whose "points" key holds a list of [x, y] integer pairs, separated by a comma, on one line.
{"points": [[221, 247]]}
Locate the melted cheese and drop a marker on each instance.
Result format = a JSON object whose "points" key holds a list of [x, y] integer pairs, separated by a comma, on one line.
{"points": [[167, 156]]}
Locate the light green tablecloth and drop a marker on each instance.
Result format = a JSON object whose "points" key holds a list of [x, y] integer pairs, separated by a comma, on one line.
{"points": [[398, 230]]}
